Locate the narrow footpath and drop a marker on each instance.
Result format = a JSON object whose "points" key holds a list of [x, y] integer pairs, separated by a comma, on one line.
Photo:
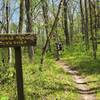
{"points": [[81, 84]]}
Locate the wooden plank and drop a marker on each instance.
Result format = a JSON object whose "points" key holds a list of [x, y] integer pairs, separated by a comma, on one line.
{"points": [[14, 40], [19, 73]]}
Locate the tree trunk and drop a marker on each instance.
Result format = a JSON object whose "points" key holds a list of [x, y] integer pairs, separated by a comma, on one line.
{"points": [[51, 32], [82, 19], [71, 31], [91, 31], [21, 18], [2, 30], [7, 29], [95, 21], [46, 20], [86, 26], [66, 22], [71, 24], [28, 6], [98, 13]]}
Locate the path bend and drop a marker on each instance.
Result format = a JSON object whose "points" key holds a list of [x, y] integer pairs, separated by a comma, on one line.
{"points": [[84, 90]]}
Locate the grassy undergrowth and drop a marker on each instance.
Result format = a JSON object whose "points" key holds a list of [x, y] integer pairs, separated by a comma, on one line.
{"points": [[89, 68], [50, 84]]}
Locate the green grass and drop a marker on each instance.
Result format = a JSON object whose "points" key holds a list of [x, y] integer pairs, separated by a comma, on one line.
{"points": [[50, 84], [89, 68]]}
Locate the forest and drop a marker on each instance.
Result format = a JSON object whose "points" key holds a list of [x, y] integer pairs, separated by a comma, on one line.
{"points": [[50, 50]]}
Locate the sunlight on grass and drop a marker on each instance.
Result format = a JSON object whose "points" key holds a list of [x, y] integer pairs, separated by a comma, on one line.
{"points": [[86, 65], [51, 83]]}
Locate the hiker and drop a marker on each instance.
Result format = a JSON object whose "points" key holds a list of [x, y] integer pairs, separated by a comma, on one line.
{"points": [[58, 50]]}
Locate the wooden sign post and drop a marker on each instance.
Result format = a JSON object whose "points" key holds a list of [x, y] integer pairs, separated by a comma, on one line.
{"points": [[17, 41], [19, 73]]}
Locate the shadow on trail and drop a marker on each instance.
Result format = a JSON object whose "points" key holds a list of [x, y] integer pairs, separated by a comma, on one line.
{"points": [[97, 81], [89, 91], [50, 89], [86, 91]]}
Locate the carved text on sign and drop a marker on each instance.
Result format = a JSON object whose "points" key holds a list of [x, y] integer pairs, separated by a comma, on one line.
{"points": [[9, 40]]}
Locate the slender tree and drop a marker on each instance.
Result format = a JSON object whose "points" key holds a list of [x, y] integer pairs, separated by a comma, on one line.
{"points": [[91, 31], [7, 29], [86, 25], [28, 6], [21, 18], [51, 32], [98, 13], [82, 18], [66, 22], [46, 19]]}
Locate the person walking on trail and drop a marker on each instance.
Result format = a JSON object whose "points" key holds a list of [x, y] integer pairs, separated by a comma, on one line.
{"points": [[58, 50]]}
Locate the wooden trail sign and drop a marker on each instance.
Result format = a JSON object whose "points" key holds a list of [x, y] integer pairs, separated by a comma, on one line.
{"points": [[9, 40], [17, 41]]}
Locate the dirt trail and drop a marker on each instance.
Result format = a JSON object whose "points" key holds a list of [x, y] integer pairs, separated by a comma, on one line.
{"points": [[81, 84]]}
